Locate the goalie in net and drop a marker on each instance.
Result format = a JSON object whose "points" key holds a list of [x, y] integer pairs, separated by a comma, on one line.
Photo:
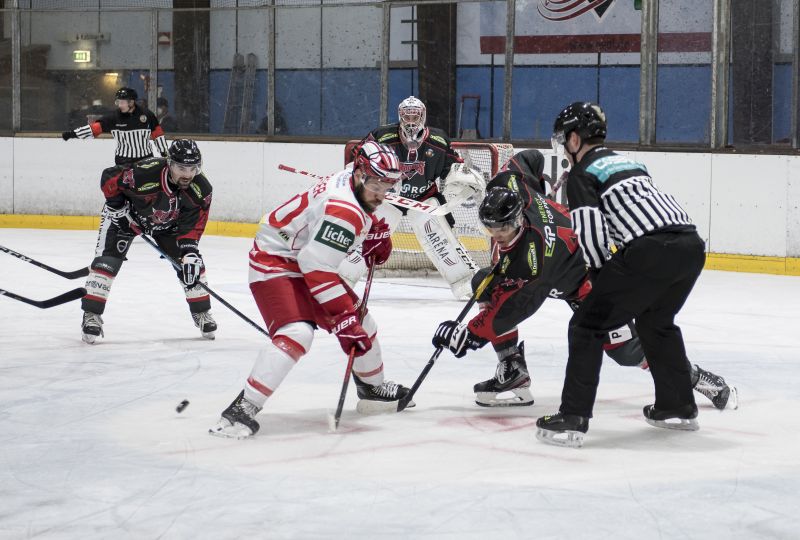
{"points": [[426, 155]]}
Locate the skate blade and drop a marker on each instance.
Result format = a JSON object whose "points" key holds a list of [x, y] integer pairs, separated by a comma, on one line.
{"points": [[680, 424], [522, 398], [569, 439], [227, 430], [89, 338], [733, 399], [366, 406], [208, 335]]}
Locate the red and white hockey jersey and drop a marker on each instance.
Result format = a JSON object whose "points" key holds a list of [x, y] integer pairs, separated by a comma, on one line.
{"points": [[309, 235]]}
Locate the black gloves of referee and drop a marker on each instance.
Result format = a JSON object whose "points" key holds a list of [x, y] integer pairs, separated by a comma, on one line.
{"points": [[67, 135]]}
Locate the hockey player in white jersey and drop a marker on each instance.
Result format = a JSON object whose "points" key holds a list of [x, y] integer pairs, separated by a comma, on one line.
{"points": [[294, 281], [425, 155]]}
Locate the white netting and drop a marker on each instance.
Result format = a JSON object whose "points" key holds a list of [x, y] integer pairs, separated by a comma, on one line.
{"points": [[407, 254]]}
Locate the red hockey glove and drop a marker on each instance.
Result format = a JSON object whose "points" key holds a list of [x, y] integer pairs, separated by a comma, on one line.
{"points": [[378, 244], [351, 334]]}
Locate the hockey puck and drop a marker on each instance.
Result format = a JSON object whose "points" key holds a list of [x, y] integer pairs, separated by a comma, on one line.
{"points": [[182, 405]]}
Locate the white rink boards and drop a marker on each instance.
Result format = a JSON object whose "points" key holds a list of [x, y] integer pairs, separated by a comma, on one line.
{"points": [[92, 446]]}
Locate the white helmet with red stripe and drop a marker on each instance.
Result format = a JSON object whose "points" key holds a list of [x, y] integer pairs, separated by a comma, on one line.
{"points": [[411, 113], [378, 160]]}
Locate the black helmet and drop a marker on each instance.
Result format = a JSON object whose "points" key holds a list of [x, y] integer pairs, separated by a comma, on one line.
{"points": [[185, 151], [501, 207], [586, 119], [127, 93]]}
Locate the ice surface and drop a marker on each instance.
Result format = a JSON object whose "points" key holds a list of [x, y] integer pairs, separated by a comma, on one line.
{"points": [[91, 445]]}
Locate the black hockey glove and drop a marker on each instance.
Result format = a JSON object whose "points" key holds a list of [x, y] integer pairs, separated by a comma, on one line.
{"points": [[121, 217], [191, 266], [456, 337], [67, 135]]}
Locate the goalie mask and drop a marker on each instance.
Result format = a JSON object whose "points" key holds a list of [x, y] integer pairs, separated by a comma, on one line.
{"points": [[411, 114], [501, 211]]}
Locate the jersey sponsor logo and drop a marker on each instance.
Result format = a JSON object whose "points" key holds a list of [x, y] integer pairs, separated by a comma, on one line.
{"points": [[439, 139], [283, 235], [387, 137], [196, 189], [512, 183], [148, 163], [555, 293], [504, 265], [544, 209], [533, 263], [549, 241], [604, 167], [335, 236], [148, 186]]}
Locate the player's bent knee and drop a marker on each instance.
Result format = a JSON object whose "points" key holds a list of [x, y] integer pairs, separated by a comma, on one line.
{"points": [[294, 339]]}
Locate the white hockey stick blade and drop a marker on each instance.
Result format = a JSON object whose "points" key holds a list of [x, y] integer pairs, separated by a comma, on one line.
{"points": [[331, 423], [366, 406]]}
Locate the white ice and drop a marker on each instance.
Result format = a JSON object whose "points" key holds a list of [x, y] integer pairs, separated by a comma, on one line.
{"points": [[91, 445]]}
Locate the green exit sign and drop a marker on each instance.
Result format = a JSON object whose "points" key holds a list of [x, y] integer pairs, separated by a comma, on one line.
{"points": [[81, 57]]}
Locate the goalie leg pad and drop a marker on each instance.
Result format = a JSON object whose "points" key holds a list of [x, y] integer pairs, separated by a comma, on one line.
{"points": [[445, 251]]}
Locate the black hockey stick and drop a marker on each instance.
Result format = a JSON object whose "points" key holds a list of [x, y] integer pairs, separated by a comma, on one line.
{"points": [[83, 272], [351, 357], [403, 403], [205, 287], [68, 296]]}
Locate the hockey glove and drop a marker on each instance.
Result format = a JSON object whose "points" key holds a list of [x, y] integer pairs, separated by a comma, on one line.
{"points": [[456, 337], [350, 334], [191, 266], [67, 135], [378, 244], [121, 217]]}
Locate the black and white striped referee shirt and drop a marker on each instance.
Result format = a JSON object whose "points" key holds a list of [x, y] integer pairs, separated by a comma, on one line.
{"points": [[613, 200], [132, 131]]}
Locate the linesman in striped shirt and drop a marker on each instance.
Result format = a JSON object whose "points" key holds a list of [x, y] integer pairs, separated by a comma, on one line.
{"points": [[658, 258]]}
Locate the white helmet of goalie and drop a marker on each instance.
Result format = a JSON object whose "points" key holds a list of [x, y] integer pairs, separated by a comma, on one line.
{"points": [[411, 113]]}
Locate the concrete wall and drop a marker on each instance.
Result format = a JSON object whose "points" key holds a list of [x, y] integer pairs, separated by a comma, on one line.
{"points": [[742, 204]]}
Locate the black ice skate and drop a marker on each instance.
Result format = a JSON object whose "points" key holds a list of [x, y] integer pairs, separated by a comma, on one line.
{"points": [[714, 388], [511, 376], [683, 418], [238, 420], [379, 398], [562, 429], [206, 323], [92, 327]]}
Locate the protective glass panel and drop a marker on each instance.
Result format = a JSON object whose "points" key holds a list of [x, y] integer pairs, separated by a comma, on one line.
{"points": [[5, 71], [327, 74], [576, 51], [74, 61], [683, 98]]}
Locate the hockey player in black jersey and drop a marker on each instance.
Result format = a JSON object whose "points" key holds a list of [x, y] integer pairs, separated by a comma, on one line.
{"points": [[538, 259], [426, 156], [169, 199], [658, 258]]}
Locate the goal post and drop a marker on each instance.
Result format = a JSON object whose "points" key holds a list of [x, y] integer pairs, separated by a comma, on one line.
{"points": [[408, 256]]}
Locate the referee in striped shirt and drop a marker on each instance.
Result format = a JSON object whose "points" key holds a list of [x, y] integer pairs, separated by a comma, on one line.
{"points": [[658, 258]]}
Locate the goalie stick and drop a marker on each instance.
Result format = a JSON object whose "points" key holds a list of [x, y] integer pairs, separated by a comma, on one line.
{"points": [[397, 200], [205, 287], [403, 403], [351, 357], [75, 274], [68, 296]]}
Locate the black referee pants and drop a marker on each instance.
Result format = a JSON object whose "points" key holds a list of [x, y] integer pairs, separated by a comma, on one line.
{"points": [[648, 281]]}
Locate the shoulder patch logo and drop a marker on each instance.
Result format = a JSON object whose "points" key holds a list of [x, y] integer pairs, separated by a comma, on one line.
{"points": [[335, 236], [439, 139], [387, 137], [148, 186], [512, 183], [533, 264], [143, 119], [197, 190]]}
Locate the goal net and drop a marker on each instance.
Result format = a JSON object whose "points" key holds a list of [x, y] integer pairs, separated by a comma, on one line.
{"points": [[408, 256]]}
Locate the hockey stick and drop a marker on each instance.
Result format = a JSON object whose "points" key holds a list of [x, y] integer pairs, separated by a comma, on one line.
{"points": [[206, 287], [397, 200], [83, 272], [351, 357], [68, 296], [403, 403]]}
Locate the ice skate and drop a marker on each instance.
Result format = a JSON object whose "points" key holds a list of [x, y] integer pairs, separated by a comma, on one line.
{"points": [[714, 388], [682, 418], [511, 376], [206, 323], [562, 429], [238, 420], [380, 398], [92, 327]]}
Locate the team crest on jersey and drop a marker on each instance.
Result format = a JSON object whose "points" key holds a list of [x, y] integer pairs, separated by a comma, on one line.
{"points": [[143, 119], [127, 179], [429, 152], [335, 236], [413, 167], [160, 217], [533, 264]]}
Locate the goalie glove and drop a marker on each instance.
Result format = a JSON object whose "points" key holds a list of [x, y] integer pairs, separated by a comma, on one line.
{"points": [[462, 183], [377, 245], [457, 338], [351, 334], [191, 266], [122, 218]]}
